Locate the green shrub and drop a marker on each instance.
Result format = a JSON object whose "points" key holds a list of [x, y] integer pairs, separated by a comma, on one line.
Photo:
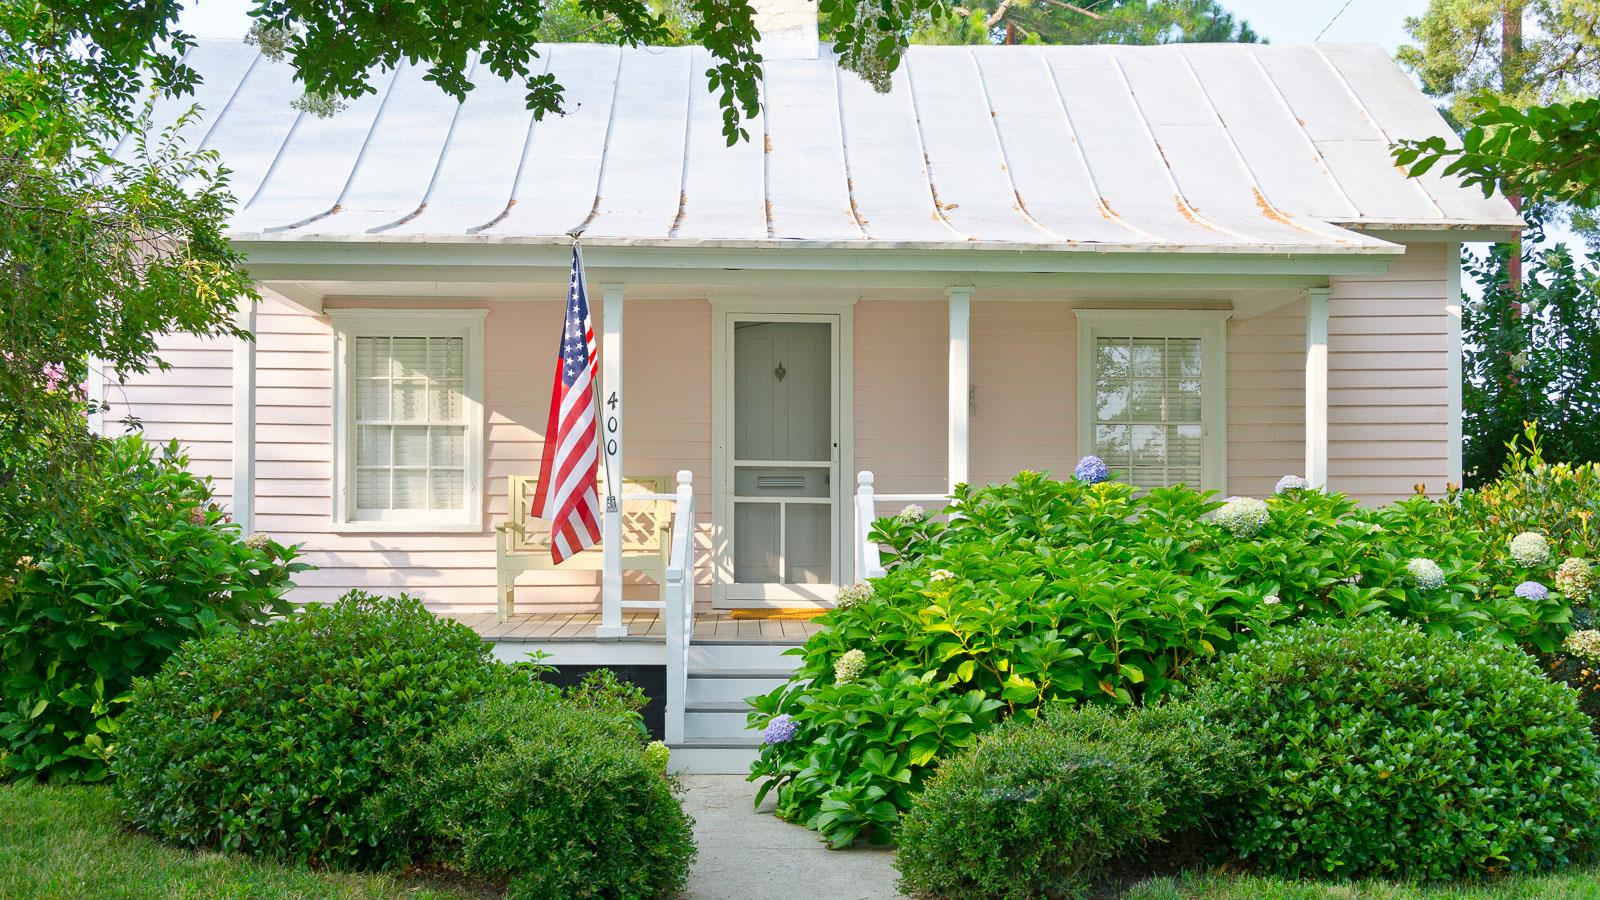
{"points": [[554, 794], [130, 561], [1041, 592], [1037, 809], [269, 740], [1388, 751]]}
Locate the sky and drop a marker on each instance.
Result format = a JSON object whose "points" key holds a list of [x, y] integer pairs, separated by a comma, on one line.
{"points": [[1280, 21]]}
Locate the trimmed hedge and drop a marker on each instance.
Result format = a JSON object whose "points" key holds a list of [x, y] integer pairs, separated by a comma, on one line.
{"points": [[269, 740], [556, 795], [1389, 752]]}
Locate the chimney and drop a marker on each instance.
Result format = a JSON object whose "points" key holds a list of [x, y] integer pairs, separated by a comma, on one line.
{"points": [[788, 28]]}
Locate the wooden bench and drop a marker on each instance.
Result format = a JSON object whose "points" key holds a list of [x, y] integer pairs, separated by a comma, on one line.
{"points": [[523, 544]]}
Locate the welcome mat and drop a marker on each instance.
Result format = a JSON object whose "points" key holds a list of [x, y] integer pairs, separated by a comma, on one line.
{"points": [[801, 613]]}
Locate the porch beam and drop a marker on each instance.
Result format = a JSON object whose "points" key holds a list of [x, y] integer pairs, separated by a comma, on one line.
{"points": [[960, 369], [1317, 386], [610, 427], [244, 419]]}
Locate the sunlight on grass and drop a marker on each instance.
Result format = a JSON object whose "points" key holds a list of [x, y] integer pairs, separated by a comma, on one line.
{"points": [[67, 842]]}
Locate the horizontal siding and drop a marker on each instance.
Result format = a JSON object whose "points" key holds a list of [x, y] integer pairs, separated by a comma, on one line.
{"points": [[1266, 399], [192, 403], [902, 384], [1024, 369], [1388, 400]]}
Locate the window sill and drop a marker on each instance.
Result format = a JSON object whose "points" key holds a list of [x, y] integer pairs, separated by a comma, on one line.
{"points": [[410, 528]]}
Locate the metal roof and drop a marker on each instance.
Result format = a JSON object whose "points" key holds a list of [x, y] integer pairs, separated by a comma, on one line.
{"points": [[1198, 147]]}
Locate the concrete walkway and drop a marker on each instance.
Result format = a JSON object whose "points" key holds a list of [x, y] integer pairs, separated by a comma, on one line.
{"points": [[749, 854]]}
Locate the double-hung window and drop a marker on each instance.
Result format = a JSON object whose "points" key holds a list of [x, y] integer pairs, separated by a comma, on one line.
{"points": [[409, 433], [1151, 395]]}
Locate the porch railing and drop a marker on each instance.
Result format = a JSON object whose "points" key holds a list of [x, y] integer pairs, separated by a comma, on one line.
{"points": [[869, 562], [679, 601]]}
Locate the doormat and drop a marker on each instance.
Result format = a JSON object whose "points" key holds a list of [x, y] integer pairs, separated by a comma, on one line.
{"points": [[800, 613]]}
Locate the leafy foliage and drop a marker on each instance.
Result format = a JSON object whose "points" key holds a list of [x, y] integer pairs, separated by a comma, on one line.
{"points": [[1541, 153], [558, 795], [1043, 592], [269, 740], [1557, 499], [1532, 354], [127, 562], [1090, 22], [1388, 751], [1037, 809]]}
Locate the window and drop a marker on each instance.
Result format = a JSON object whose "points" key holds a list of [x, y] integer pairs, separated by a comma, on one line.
{"points": [[1151, 395], [410, 434]]}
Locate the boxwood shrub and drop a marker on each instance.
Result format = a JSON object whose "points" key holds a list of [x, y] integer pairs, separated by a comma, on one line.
{"points": [[269, 740], [559, 796], [1390, 752], [1040, 592], [1038, 808]]}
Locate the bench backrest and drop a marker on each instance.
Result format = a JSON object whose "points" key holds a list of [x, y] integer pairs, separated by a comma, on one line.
{"points": [[646, 524]]}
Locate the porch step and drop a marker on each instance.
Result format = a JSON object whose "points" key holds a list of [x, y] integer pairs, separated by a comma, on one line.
{"points": [[716, 721], [713, 654], [714, 756], [731, 685]]}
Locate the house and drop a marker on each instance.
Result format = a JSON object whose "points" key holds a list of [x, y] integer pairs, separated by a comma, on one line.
{"points": [[1198, 262]]}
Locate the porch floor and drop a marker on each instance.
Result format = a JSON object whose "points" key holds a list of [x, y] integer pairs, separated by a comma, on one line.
{"points": [[647, 626]]}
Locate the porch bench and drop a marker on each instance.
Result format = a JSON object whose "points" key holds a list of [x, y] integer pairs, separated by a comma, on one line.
{"points": [[523, 541]]}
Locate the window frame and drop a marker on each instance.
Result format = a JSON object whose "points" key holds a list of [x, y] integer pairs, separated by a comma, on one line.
{"points": [[1211, 327], [351, 323]]}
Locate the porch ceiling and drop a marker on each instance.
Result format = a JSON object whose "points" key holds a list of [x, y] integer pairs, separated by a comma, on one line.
{"points": [[1210, 149]]}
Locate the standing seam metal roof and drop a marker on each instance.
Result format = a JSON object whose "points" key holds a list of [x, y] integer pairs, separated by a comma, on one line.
{"points": [[1261, 148]]}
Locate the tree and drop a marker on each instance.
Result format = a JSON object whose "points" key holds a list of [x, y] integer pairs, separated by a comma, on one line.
{"points": [[1090, 22]]}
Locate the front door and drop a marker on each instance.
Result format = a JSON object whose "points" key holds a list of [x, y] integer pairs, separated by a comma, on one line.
{"points": [[780, 486]]}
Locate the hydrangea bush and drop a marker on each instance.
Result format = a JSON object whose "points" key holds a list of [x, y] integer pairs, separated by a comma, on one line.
{"points": [[1041, 592]]}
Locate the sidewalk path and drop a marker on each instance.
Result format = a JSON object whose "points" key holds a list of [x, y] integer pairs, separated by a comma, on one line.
{"points": [[746, 854]]}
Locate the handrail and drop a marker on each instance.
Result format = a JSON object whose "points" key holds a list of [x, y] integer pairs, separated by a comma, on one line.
{"points": [[869, 560], [679, 601]]}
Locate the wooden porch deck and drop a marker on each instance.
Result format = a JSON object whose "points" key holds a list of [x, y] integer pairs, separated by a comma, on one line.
{"points": [[647, 626]]}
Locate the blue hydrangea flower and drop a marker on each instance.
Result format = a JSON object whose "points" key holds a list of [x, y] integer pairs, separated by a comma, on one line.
{"points": [[1091, 470], [1532, 590], [1426, 573], [779, 731], [1291, 483]]}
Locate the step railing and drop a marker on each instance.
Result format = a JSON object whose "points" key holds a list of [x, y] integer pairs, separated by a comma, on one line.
{"points": [[869, 560], [679, 600]]}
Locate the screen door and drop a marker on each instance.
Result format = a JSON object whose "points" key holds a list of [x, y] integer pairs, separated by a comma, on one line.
{"points": [[784, 459]]}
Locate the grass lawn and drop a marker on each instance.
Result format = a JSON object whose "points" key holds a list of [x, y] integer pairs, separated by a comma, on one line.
{"points": [[66, 842]]}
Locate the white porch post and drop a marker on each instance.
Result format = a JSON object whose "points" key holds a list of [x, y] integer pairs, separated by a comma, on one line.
{"points": [[1317, 386], [244, 420], [960, 381], [611, 459], [1452, 367]]}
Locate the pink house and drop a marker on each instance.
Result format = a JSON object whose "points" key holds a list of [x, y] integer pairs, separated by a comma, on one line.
{"points": [[1198, 262]]}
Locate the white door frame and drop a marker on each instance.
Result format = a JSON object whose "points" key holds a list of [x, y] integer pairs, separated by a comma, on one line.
{"points": [[724, 315]]}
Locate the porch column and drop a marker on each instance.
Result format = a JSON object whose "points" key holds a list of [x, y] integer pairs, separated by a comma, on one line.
{"points": [[1317, 386], [1452, 366], [960, 381], [610, 426], [244, 420]]}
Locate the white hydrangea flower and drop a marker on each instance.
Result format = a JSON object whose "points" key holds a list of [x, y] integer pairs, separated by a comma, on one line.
{"points": [[1270, 600], [938, 575], [1575, 578], [912, 514], [1426, 573], [849, 666], [1519, 361], [1291, 483], [1584, 643], [854, 595], [1243, 516], [1530, 549]]}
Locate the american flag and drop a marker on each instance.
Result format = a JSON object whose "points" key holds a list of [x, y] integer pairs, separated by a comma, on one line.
{"points": [[567, 496]]}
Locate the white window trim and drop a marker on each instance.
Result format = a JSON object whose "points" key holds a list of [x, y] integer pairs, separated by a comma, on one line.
{"points": [[466, 323], [1211, 327]]}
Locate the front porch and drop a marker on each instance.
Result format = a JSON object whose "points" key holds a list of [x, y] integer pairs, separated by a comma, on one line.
{"points": [[644, 627]]}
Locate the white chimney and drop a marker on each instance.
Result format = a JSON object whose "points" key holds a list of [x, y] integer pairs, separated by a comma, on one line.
{"points": [[788, 28]]}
